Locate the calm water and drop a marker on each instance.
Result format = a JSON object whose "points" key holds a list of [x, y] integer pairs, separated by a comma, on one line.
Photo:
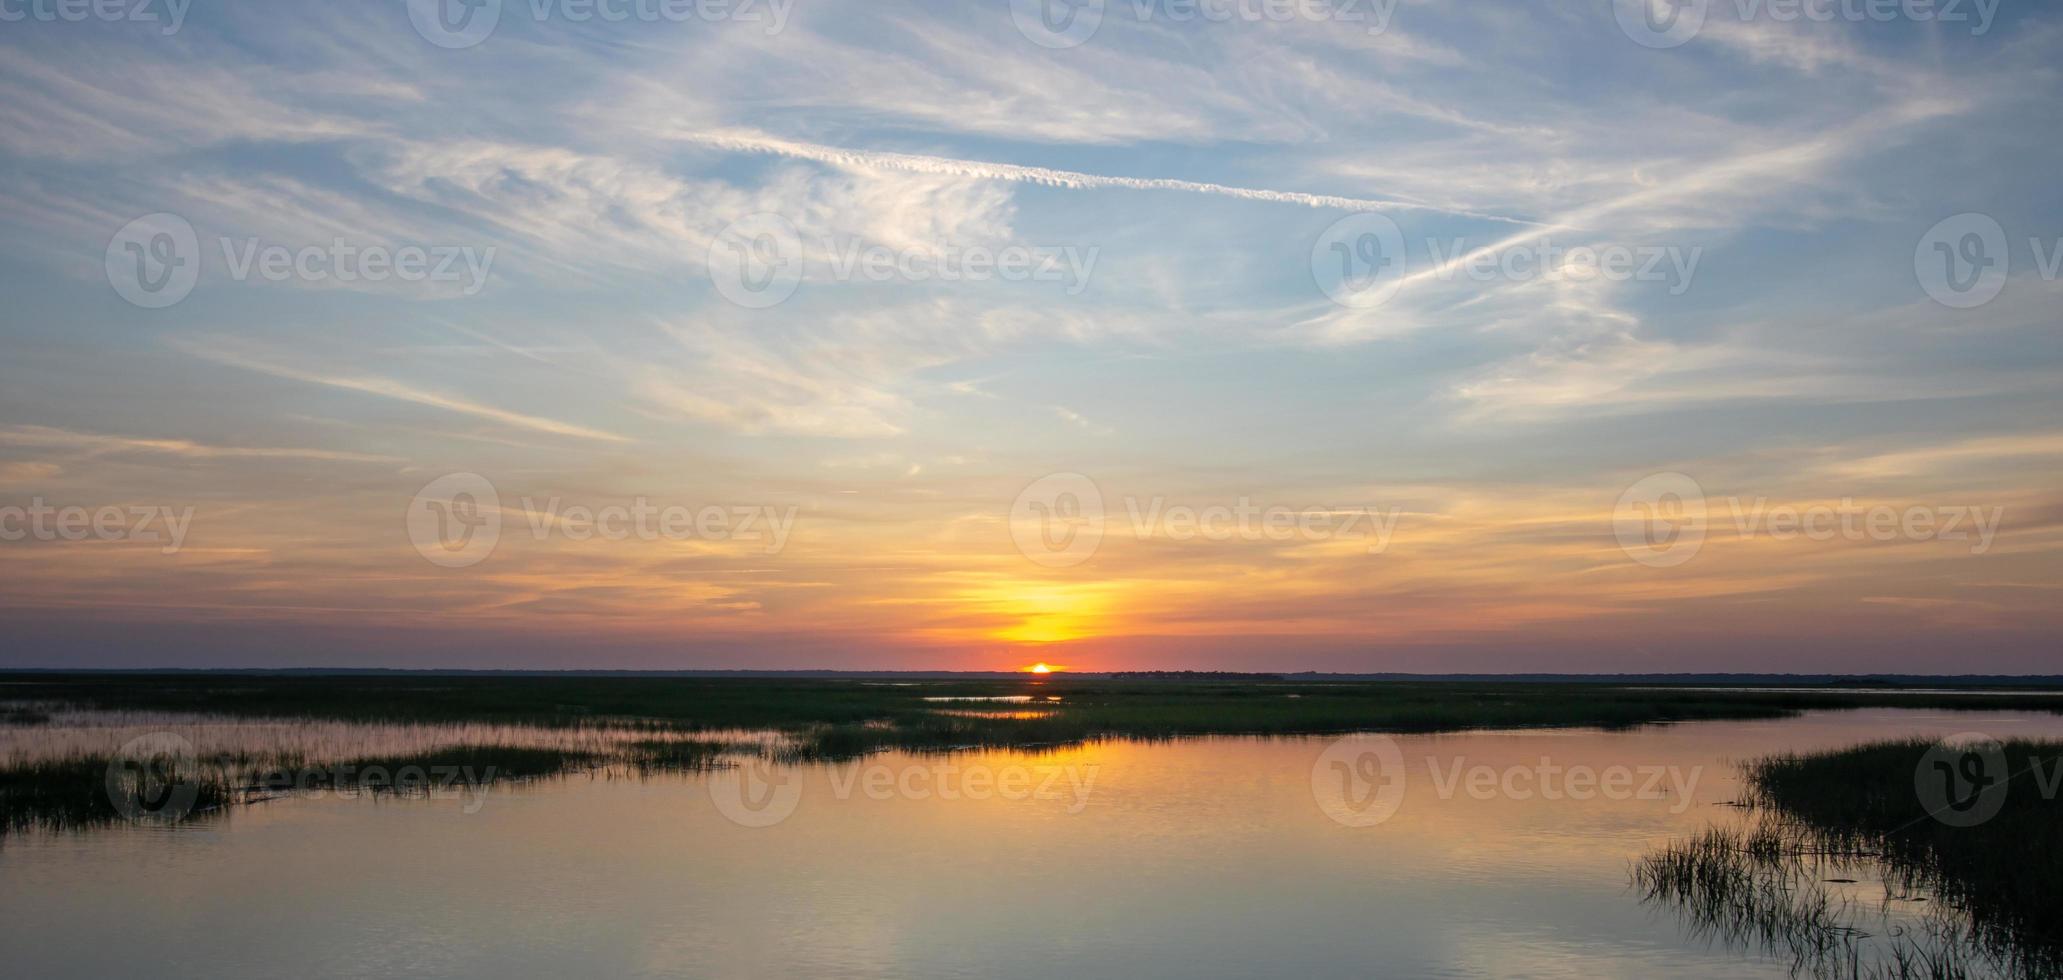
{"points": [[1210, 857]]}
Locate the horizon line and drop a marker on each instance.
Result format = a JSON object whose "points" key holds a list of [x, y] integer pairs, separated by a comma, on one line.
{"points": [[1573, 676]]}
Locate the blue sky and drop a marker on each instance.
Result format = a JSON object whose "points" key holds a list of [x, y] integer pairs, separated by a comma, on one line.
{"points": [[1784, 175]]}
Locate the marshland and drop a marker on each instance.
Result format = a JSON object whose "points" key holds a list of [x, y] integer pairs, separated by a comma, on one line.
{"points": [[1029, 815], [295, 730]]}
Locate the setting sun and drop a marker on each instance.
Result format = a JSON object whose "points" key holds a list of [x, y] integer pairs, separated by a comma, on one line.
{"points": [[1041, 668]]}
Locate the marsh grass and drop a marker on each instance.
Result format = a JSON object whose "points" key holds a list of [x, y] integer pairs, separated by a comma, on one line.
{"points": [[2005, 873], [1088, 707], [74, 791], [1762, 889], [693, 723], [23, 715], [679, 755], [417, 773], [1992, 892]]}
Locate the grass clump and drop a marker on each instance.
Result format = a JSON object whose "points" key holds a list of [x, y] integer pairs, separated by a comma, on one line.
{"points": [[2005, 871], [422, 772], [677, 755], [24, 715], [96, 790], [1993, 883]]}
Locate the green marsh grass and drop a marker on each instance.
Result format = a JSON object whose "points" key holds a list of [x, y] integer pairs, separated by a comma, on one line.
{"points": [[1993, 891], [1087, 707]]}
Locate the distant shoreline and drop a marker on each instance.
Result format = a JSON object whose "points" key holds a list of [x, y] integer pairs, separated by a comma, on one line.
{"points": [[1813, 680]]}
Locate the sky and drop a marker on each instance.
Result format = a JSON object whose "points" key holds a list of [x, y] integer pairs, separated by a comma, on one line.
{"points": [[1346, 335]]}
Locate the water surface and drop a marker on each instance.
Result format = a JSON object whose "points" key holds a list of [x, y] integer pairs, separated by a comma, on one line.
{"points": [[1205, 857]]}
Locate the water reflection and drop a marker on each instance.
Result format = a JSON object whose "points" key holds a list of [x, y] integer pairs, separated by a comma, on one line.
{"points": [[1828, 907], [1203, 857]]}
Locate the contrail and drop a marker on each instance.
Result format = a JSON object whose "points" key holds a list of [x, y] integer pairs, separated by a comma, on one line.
{"points": [[745, 141]]}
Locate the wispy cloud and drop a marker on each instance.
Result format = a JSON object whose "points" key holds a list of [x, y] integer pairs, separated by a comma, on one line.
{"points": [[904, 413], [2025, 447], [748, 141], [38, 435], [399, 391]]}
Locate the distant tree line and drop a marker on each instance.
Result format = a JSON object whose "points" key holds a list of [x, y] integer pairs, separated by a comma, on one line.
{"points": [[1197, 675]]}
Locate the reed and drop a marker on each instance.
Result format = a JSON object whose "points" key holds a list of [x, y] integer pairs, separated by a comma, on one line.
{"points": [[1994, 888], [82, 790], [1087, 707]]}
